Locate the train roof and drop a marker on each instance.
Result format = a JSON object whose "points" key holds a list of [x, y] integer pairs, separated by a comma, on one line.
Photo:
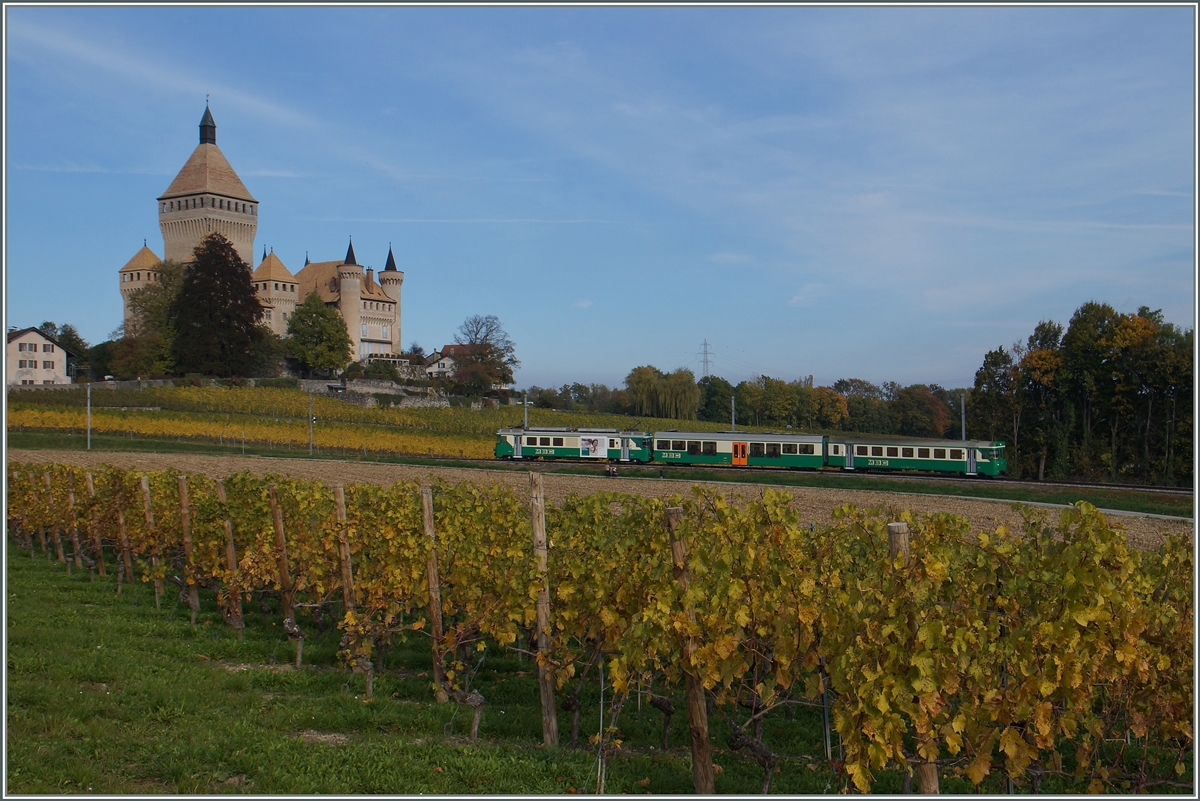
{"points": [[565, 430], [738, 436], [914, 441]]}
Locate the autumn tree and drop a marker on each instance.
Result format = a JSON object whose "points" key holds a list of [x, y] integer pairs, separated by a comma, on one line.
{"points": [[488, 357], [216, 313]]}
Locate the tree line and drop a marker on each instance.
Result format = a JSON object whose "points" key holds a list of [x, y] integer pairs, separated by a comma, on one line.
{"points": [[1107, 398]]}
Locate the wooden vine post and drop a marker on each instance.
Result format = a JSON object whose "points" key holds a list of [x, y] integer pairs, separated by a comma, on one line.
{"points": [[702, 764], [78, 554], [898, 549], [285, 578], [148, 509], [545, 671], [435, 597], [41, 521], [91, 488], [233, 611], [185, 526], [54, 524], [339, 498]]}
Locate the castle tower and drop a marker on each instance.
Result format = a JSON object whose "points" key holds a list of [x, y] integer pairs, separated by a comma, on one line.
{"points": [[277, 290], [142, 270], [390, 280], [349, 279], [207, 196]]}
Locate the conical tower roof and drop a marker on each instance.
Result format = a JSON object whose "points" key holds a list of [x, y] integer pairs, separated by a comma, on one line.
{"points": [[272, 269], [144, 259], [350, 255], [207, 170], [390, 267]]}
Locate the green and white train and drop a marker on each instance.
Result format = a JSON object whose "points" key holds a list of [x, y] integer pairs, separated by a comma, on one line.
{"points": [[741, 449]]}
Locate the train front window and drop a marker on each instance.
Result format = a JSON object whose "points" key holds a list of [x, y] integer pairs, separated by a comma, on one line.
{"points": [[693, 447], [710, 449], [756, 449]]}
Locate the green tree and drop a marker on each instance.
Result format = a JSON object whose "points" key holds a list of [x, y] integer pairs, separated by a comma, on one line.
{"points": [[919, 413], [216, 313], [68, 336], [642, 389], [317, 337], [715, 399]]}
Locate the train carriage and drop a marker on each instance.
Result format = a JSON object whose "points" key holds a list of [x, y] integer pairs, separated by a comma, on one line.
{"points": [[739, 449], [968, 457], [586, 444]]}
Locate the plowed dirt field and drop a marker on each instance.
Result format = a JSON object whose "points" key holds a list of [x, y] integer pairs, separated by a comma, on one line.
{"points": [[815, 504]]}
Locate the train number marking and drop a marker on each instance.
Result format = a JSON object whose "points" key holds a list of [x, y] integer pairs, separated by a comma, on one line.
{"points": [[877, 463]]}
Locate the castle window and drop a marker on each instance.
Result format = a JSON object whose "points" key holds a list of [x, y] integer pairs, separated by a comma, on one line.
{"points": [[364, 329], [387, 332], [277, 285]]}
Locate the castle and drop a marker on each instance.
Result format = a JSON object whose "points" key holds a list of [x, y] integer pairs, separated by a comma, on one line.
{"points": [[208, 196]]}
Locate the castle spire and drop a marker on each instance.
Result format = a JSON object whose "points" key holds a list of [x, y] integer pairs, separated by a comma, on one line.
{"points": [[264, 252], [391, 261], [350, 254], [208, 128]]}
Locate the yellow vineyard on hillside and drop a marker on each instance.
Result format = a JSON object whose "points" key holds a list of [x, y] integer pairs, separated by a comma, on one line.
{"points": [[256, 430]]}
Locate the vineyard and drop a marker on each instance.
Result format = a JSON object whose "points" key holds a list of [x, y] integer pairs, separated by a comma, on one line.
{"points": [[1049, 657]]}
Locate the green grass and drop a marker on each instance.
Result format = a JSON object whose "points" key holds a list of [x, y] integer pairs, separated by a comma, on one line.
{"points": [[1131, 500]]}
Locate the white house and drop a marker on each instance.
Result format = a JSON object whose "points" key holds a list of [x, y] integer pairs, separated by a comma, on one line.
{"points": [[35, 359], [441, 363]]}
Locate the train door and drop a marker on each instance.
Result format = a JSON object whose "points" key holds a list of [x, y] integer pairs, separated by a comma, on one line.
{"points": [[739, 453], [971, 469], [849, 456], [624, 449], [517, 445]]}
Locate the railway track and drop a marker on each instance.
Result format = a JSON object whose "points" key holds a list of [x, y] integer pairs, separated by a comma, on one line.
{"points": [[975, 481]]}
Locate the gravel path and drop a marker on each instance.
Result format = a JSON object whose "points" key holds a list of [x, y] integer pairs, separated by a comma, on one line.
{"points": [[815, 504]]}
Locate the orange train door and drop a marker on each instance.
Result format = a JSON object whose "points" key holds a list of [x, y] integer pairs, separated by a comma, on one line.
{"points": [[739, 453]]}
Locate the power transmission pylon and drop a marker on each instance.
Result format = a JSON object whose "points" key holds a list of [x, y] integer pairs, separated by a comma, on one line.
{"points": [[704, 357]]}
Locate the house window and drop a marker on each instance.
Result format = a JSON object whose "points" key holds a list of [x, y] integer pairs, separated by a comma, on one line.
{"points": [[47, 381], [21, 364], [21, 347], [47, 365], [47, 349]]}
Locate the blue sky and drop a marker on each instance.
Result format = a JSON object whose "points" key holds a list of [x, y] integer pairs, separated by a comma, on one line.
{"points": [[885, 193]]}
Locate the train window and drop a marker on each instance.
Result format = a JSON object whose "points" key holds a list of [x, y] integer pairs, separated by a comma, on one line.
{"points": [[678, 445], [789, 447], [979, 456], [893, 452], [860, 450], [693, 447], [710, 449], [612, 443], [956, 453], [939, 453], [756, 449], [906, 452], [876, 450], [531, 440], [808, 449], [922, 453], [773, 450], [664, 444], [546, 441], [835, 450], [558, 441]]}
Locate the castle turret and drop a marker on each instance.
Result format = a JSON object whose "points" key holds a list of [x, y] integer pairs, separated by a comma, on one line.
{"points": [[207, 196], [391, 279], [277, 290], [142, 270], [349, 279]]}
